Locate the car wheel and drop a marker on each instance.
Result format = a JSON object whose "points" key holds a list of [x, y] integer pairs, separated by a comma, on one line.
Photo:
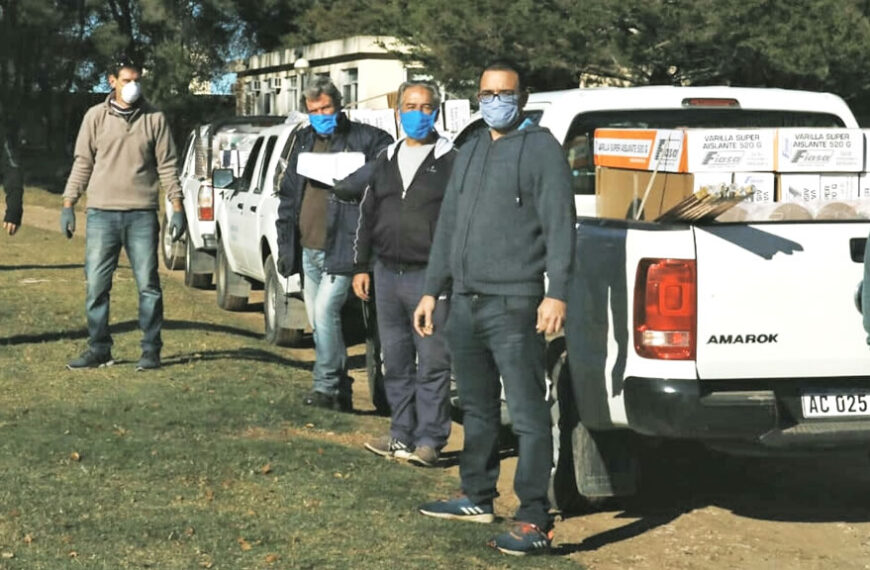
{"points": [[225, 279], [275, 313], [173, 252], [191, 279]]}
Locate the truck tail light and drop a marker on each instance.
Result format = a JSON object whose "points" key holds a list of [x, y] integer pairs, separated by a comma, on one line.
{"points": [[205, 202], [665, 309]]}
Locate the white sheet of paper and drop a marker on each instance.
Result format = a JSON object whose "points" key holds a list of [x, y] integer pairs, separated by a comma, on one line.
{"points": [[327, 167]]}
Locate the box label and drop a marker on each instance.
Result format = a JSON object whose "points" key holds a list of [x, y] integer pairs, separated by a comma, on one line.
{"points": [[798, 187], [727, 150], [820, 150], [764, 184], [640, 149]]}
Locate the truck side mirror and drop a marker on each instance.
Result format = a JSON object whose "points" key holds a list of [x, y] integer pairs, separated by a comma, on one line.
{"points": [[222, 178]]}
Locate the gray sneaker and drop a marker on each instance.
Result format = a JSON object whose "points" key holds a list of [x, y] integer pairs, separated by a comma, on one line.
{"points": [[149, 360], [424, 456], [387, 446], [90, 359]]}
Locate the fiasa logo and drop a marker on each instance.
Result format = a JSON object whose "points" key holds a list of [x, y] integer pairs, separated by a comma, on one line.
{"points": [[750, 338]]}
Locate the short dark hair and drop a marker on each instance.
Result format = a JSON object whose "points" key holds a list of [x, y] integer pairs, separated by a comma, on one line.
{"points": [[425, 84], [124, 63], [323, 86], [505, 65]]}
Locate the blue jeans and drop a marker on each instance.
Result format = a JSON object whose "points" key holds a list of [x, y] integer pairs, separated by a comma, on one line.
{"points": [[137, 232], [416, 370], [325, 294], [492, 335]]}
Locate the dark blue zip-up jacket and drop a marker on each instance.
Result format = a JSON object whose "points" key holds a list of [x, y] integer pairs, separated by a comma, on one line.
{"points": [[507, 218], [342, 213]]}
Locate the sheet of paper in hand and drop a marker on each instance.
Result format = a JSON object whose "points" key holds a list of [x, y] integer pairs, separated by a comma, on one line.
{"points": [[328, 167]]}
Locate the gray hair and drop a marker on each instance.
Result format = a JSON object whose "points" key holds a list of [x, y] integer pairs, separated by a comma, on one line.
{"points": [[428, 85], [323, 86]]}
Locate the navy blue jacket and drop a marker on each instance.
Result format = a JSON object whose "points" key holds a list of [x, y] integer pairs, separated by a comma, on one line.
{"points": [[342, 212], [397, 226]]}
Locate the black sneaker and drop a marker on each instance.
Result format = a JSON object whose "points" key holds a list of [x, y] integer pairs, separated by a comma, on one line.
{"points": [[522, 539], [320, 400], [149, 360], [90, 359], [460, 509]]}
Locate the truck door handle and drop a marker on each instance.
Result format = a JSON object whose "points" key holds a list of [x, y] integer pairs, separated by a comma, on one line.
{"points": [[240, 206], [856, 249], [253, 208]]}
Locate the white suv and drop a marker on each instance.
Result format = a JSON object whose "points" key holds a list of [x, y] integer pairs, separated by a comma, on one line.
{"points": [[247, 238], [221, 144]]}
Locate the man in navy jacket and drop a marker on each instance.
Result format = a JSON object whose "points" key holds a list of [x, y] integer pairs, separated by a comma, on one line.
{"points": [[311, 217]]}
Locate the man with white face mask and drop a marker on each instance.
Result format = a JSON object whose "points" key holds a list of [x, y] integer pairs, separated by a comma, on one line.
{"points": [[123, 154]]}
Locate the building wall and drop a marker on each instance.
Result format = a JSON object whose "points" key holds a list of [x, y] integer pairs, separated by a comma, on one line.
{"points": [[377, 73]]}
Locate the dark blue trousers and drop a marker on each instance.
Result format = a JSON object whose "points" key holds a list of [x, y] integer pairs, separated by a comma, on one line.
{"points": [[492, 336], [416, 370]]}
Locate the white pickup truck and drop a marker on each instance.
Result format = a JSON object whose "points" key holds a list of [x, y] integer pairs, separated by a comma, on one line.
{"points": [[247, 239], [225, 143], [770, 354]]}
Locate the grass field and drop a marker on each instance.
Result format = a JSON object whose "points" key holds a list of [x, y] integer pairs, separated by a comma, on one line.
{"points": [[209, 462]]}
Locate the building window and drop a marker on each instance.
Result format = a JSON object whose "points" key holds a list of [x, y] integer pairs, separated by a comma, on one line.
{"points": [[292, 93], [267, 104], [350, 86]]}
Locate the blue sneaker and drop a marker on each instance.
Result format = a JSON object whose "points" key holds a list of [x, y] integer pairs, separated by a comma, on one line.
{"points": [[461, 509], [523, 538]]}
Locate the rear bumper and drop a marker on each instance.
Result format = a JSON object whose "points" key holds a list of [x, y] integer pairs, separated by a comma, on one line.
{"points": [[209, 242], [764, 413]]}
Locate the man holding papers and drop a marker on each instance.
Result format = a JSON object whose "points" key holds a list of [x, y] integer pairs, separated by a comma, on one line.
{"points": [[319, 217]]}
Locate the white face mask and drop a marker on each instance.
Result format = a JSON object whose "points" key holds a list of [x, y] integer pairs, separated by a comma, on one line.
{"points": [[131, 92]]}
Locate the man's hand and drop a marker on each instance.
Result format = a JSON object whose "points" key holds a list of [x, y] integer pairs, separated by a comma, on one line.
{"points": [[177, 225], [10, 228], [284, 267], [68, 221], [361, 284], [551, 316], [423, 316]]}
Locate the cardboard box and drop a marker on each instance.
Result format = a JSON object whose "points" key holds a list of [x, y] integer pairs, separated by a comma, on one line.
{"points": [[797, 187], [838, 187], [640, 149], [763, 182], [863, 186], [618, 190], [820, 150], [729, 150]]}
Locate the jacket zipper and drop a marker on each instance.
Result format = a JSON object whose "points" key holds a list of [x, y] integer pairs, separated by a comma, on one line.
{"points": [[464, 254]]}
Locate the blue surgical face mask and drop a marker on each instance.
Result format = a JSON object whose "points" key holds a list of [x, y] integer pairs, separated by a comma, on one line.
{"points": [[324, 124], [500, 114], [417, 124]]}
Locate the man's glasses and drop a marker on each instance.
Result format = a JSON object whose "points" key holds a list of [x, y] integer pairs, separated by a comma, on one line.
{"points": [[503, 96]]}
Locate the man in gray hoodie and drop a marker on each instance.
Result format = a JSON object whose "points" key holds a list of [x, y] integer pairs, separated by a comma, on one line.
{"points": [[507, 218]]}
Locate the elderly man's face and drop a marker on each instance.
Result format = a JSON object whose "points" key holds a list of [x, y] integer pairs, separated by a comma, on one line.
{"points": [[417, 99], [323, 105]]}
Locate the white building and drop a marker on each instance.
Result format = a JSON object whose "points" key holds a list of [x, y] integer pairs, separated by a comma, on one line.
{"points": [[363, 67]]}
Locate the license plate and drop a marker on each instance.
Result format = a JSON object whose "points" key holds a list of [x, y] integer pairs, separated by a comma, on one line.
{"points": [[830, 405]]}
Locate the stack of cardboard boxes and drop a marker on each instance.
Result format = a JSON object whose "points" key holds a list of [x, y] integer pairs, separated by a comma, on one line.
{"points": [[811, 167]]}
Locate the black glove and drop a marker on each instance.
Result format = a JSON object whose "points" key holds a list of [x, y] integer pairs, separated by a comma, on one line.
{"points": [[345, 190], [285, 268], [177, 225], [68, 222]]}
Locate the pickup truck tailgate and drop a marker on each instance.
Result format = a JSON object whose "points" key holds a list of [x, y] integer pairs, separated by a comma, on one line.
{"points": [[777, 300]]}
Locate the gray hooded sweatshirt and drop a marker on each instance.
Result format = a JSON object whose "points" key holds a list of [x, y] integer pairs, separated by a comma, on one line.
{"points": [[507, 217]]}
